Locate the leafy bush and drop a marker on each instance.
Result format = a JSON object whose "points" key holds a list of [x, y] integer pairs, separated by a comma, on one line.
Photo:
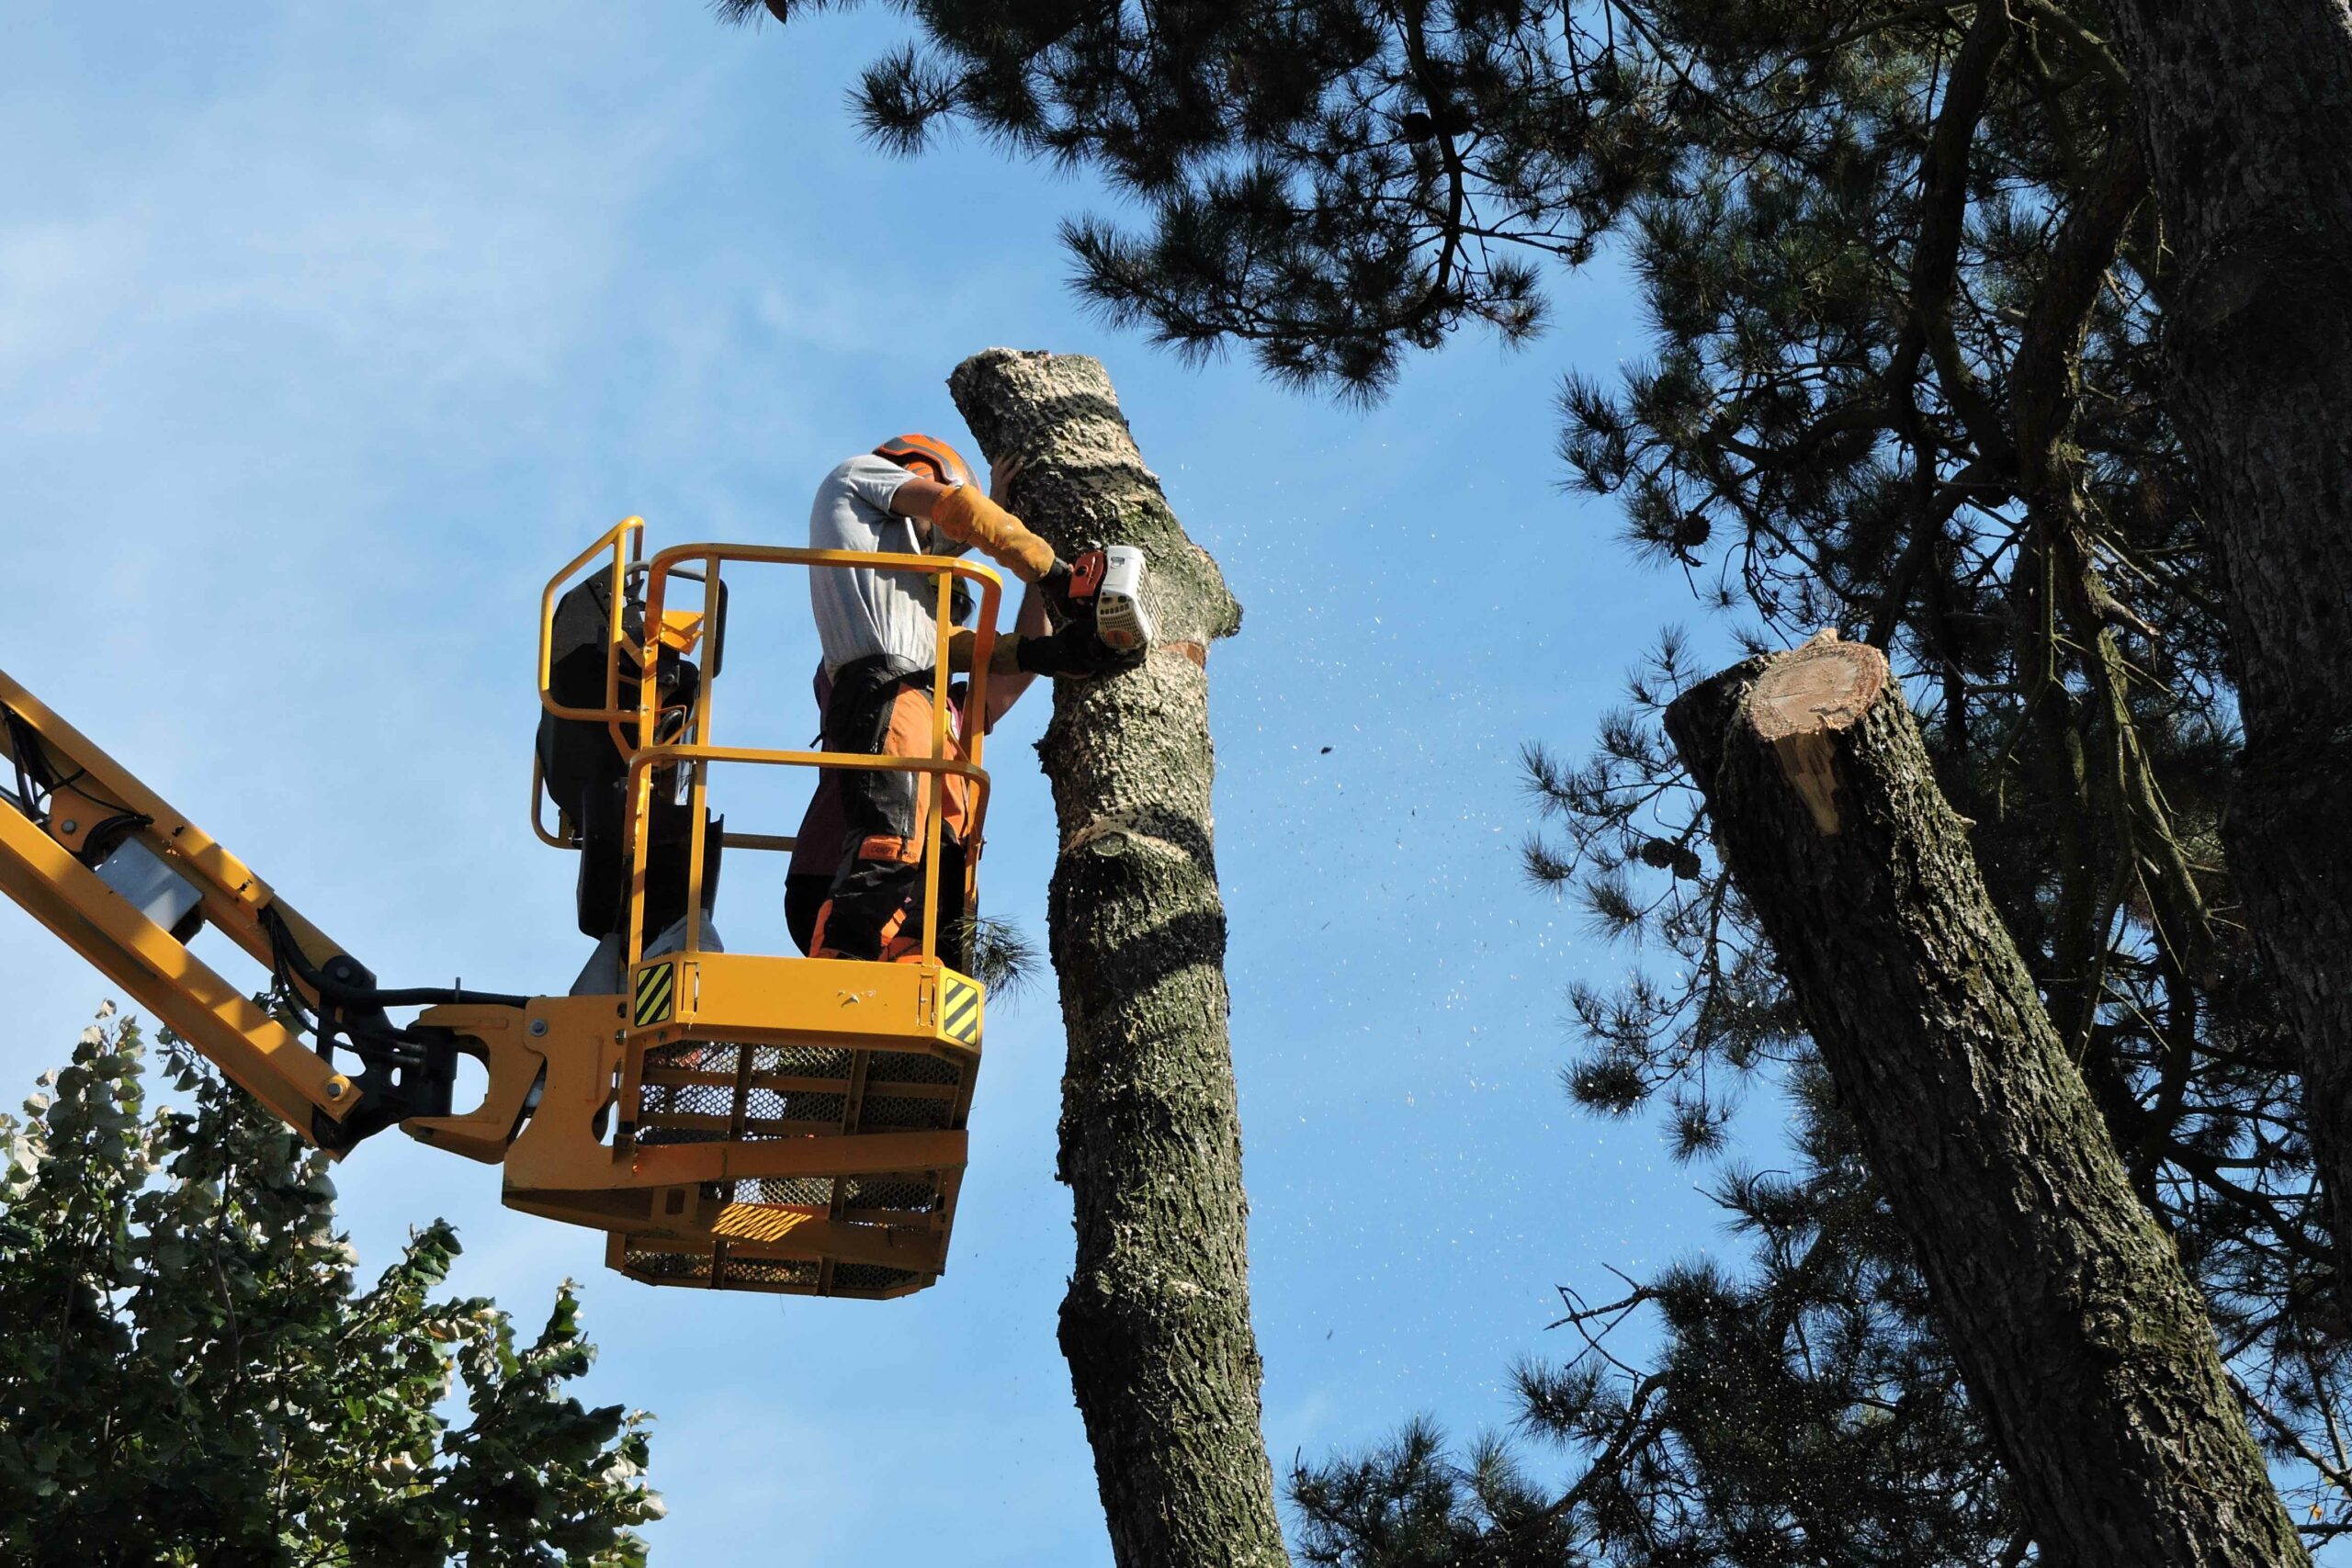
{"points": [[190, 1374]]}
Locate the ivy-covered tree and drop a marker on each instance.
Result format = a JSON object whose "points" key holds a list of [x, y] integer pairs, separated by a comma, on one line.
{"points": [[1912, 301], [190, 1374]]}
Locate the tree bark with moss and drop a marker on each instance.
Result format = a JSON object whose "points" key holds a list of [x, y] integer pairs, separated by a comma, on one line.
{"points": [[1156, 1324], [2066, 1304]]}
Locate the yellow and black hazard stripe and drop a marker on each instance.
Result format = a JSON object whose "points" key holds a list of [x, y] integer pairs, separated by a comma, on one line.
{"points": [[959, 1009], [656, 991]]}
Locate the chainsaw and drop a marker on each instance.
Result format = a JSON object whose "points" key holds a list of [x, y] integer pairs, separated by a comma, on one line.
{"points": [[1112, 578]]}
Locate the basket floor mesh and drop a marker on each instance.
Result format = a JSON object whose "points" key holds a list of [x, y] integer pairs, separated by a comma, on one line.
{"points": [[705, 1091], [722, 1269], [702, 1090]]}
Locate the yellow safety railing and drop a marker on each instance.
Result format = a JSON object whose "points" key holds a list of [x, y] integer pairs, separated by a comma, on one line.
{"points": [[695, 749], [625, 539]]}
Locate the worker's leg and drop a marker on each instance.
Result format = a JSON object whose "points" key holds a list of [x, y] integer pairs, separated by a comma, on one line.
{"points": [[879, 711], [804, 900], [955, 924]]}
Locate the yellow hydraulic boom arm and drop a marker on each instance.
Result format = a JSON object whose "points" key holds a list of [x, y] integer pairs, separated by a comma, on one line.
{"points": [[124, 880]]}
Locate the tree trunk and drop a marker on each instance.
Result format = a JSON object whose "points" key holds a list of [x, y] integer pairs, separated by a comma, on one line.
{"points": [[2066, 1307], [2245, 109], [1155, 1325]]}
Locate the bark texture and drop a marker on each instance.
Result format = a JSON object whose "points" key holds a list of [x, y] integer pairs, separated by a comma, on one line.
{"points": [[1155, 1325], [2067, 1308], [2245, 110]]}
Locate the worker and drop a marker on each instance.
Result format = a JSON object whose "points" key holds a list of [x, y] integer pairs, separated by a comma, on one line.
{"points": [[817, 847], [913, 494]]}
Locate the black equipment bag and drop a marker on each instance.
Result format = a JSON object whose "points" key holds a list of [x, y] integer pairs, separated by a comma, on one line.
{"points": [[587, 772]]}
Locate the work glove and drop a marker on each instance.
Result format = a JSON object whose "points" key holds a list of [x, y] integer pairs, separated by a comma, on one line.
{"points": [[1069, 588], [1072, 653]]}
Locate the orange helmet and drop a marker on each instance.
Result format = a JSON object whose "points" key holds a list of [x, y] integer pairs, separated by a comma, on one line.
{"points": [[945, 463]]}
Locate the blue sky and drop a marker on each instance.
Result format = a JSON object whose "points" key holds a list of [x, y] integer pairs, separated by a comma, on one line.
{"points": [[327, 334]]}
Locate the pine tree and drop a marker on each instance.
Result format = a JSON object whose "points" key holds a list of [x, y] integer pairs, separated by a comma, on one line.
{"points": [[192, 1376], [1910, 299], [1155, 1325], [2063, 1301]]}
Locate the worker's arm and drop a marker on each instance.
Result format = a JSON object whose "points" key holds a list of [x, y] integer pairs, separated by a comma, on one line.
{"points": [[1006, 691], [967, 516], [960, 644], [1072, 653], [972, 518], [1004, 659], [1010, 670]]}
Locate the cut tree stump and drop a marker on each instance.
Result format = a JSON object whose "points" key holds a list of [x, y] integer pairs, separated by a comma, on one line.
{"points": [[1803, 702], [2082, 1339]]}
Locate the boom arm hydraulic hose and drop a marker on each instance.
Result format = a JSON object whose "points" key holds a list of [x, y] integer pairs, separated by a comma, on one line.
{"points": [[407, 1069]]}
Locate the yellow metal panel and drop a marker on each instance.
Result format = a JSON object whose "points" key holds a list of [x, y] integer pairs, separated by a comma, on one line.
{"points": [[653, 990], [959, 1009], [564, 1046], [746, 996]]}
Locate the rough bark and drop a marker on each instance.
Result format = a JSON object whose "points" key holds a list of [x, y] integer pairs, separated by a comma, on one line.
{"points": [[2070, 1316], [1156, 1324], [2245, 110]]}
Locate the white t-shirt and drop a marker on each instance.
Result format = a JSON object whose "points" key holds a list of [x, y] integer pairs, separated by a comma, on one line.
{"points": [[861, 611]]}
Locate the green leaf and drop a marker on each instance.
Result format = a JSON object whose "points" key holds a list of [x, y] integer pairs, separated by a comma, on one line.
{"points": [[196, 1305]]}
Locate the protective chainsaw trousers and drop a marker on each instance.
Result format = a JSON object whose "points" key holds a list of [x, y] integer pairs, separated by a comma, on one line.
{"points": [[882, 707]]}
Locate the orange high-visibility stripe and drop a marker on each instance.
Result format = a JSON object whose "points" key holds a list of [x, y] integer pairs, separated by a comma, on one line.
{"points": [[884, 846]]}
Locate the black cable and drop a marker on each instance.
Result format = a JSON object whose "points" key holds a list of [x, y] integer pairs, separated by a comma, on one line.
{"points": [[36, 785], [282, 984], [22, 745], [108, 836], [438, 996], [325, 1030], [282, 941]]}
